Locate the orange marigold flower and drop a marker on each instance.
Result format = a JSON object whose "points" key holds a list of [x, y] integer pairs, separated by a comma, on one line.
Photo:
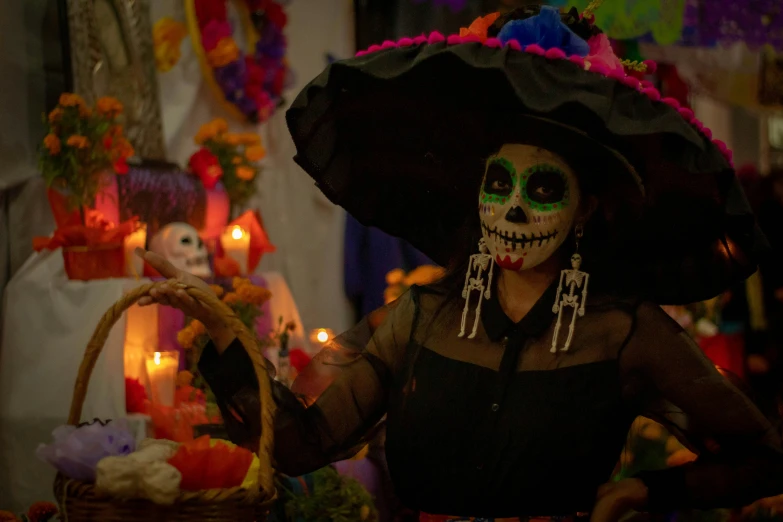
{"points": [[84, 111], [250, 138], [236, 160], [245, 173], [186, 338], [52, 144], [210, 130], [231, 298], [80, 142], [55, 115], [217, 289], [232, 139], [238, 282], [224, 53], [7, 516], [71, 100], [220, 125], [255, 153], [184, 378], [198, 328], [41, 511], [252, 294], [109, 107], [122, 148]]}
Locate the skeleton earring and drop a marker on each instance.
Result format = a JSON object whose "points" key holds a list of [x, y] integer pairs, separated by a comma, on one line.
{"points": [[572, 283], [478, 262]]}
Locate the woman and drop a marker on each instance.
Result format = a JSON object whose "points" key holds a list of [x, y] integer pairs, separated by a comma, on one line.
{"points": [[509, 387]]}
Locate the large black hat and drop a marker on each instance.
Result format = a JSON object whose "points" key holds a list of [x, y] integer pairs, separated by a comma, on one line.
{"points": [[398, 136]]}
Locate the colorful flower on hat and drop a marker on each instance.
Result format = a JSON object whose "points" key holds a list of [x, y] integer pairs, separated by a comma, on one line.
{"points": [[480, 26], [546, 30], [252, 83], [601, 53]]}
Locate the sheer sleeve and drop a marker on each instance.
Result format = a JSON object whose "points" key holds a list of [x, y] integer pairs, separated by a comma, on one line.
{"points": [[334, 403], [667, 377]]}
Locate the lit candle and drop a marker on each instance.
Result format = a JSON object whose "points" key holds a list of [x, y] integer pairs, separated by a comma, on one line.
{"points": [[236, 245], [320, 336], [134, 265], [162, 372]]}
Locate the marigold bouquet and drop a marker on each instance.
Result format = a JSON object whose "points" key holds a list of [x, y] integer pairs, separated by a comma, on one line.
{"points": [[228, 157], [81, 144]]}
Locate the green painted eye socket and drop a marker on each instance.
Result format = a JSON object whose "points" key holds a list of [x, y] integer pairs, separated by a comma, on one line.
{"points": [[546, 187], [499, 181]]}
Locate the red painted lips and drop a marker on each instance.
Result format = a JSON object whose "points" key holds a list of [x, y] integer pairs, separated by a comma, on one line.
{"points": [[508, 264]]}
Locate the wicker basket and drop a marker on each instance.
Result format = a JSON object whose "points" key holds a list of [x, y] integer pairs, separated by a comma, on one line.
{"points": [[81, 502]]}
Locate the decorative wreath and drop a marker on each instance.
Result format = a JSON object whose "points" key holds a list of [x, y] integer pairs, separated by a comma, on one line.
{"points": [[251, 86]]}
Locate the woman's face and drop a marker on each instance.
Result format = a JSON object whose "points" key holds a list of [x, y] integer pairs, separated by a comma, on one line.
{"points": [[528, 203]]}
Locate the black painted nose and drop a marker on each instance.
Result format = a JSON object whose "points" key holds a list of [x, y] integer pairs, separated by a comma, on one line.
{"points": [[516, 215]]}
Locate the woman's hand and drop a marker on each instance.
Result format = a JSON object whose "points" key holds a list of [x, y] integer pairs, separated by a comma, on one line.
{"points": [[173, 294], [616, 499]]}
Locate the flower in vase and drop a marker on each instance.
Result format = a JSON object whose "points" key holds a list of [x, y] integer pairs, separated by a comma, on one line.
{"points": [[55, 115], [252, 294], [231, 298], [238, 282], [206, 166], [77, 141], [245, 173], [108, 106], [71, 100], [42, 512], [52, 144], [255, 153], [217, 289]]}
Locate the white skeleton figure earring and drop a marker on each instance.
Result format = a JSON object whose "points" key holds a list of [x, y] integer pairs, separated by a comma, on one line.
{"points": [[571, 292], [478, 262]]}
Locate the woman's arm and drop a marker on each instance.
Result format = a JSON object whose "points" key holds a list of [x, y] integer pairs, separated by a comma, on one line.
{"points": [[345, 392], [661, 365]]}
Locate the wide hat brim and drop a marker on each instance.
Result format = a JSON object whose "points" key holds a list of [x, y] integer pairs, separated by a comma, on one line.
{"points": [[399, 137]]}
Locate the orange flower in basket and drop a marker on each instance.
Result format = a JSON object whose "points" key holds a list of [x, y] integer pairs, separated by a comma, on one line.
{"points": [[217, 289], [231, 298], [252, 294], [186, 338], [52, 144], [239, 282], [255, 153], [198, 328], [206, 464], [71, 100], [109, 107], [77, 141]]}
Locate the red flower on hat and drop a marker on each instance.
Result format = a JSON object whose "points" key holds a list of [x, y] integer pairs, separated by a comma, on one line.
{"points": [[206, 166]]}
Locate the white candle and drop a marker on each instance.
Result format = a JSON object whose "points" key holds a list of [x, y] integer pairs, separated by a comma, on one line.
{"points": [[134, 265], [319, 337], [162, 372], [236, 245]]}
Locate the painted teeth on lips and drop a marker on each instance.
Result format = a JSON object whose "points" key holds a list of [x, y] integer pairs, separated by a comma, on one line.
{"points": [[523, 239]]}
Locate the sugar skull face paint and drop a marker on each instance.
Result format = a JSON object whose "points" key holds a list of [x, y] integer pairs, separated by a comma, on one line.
{"points": [[527, 204]]}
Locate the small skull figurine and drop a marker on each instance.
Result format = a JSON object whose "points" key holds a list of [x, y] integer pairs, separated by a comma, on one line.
{"points": [[181, 245]]}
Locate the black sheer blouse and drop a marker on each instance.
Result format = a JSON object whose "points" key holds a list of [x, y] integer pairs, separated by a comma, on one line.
{"points": [[498, 426]]}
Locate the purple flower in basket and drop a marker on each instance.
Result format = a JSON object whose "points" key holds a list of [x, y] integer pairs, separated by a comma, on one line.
{"points": [[75, 452], [545, 29]]}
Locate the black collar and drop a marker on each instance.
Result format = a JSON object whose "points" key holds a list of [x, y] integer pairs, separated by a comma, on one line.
{"points": [[498, 325]]}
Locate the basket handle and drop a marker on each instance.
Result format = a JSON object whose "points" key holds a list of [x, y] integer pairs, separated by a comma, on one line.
{"points": [[210, 300]]}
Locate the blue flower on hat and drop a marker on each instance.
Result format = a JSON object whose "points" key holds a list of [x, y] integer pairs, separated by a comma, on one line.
{"points": [[547, 30]]}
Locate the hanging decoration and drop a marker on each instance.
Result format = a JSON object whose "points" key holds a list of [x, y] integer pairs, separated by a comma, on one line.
{"points": [[249, 85], [167, 36]]}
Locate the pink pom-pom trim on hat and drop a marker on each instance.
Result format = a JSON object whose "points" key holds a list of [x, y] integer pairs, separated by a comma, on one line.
{"points": [[671, 102], [721, 146], [686, 113], [651, 66], [361, 53], [578, 60], [555, 54], [454, 39], [436, 37], [707, 132], [513, 44], [493, 42], [652, 93], [388, 44], [405, 42], [599, 69], [471, 38], [374, 48], [631, 82], [534, 49], [696, 122], [421, 39]]}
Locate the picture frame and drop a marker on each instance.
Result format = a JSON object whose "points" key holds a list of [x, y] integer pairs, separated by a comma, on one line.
{"points": [[111, 53]]}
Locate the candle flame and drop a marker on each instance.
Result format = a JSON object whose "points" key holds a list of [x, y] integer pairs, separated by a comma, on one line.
{"points": [[157, 358], [237, 232], [322, 336]]}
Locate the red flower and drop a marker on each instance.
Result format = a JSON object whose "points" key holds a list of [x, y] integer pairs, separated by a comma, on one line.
{"points": [[279, 81], [255, 73], [135, 396], [121, 166], [107, 142], [42, 512], [213, 32], [207, 10], [206, 166], [276, 15]]}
